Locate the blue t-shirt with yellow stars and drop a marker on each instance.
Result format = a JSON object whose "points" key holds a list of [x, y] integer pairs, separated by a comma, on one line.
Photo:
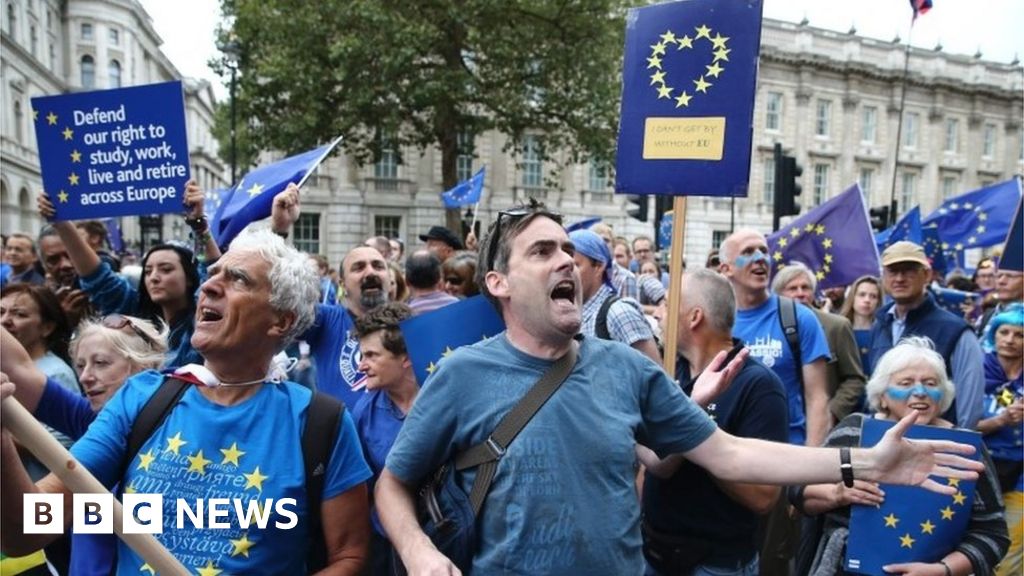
{"points": [[249, 451]]}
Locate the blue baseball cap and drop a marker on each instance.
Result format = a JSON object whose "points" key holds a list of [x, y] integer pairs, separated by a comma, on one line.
{"points": [[592, 246]]}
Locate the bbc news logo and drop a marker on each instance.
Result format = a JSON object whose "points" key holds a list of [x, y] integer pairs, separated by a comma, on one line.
{"points": [[144, 513]]}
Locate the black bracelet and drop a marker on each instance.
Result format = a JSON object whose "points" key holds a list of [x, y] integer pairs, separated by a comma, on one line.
{"points": [[946, 566], [845, 467], [197, 224]]}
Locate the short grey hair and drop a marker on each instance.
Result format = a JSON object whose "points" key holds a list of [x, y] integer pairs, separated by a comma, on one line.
{"points": [[294, 278], [713, 293], [907, 352], [790, 272]]}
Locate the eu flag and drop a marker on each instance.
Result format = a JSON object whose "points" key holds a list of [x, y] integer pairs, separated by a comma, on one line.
{"points": [[908, 228], [952, 300], [1012, 258], [943, 259], [979, 218], [253, 197], [838, 231], [465, 193], [665, 230], [431, 337], [688, 82], [913, 524], [584, 224]]}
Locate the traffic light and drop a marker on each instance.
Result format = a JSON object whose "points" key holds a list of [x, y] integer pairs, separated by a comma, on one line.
{"points": [[639, 211], [787, 185], [879, 218]]}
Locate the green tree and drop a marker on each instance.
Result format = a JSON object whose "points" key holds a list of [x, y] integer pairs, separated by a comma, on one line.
{"points": [[419, 73]]}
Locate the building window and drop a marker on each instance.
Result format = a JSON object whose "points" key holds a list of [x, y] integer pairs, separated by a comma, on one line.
{"points": [[768, 191], [773, 112], [386, 167], [824, 118], [19, 118], [464, 158], [33, 38], [908, 189], [867, 182], [88, 72], [952, 134], [86, 31], [718, 236], [988, 142], [115, 74], [869, 126], [910, 123], [12, 20], [820, 183], [387, 225], [532, 163], [949, 186], [307, 233], [113, 36], [53, 57], [600, 176]]}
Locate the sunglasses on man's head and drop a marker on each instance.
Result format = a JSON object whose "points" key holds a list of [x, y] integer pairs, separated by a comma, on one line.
{"points": [[513, 215], [119, 322]]}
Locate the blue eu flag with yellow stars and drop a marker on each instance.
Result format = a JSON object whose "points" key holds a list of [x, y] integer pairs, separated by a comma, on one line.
{"points": [[977, 219], [689, 76], [253, 197], [466, 192], [913, 524], [431, 337], [952, 299], [908, 228], [665, 230], [836, 232], [943, 260]]}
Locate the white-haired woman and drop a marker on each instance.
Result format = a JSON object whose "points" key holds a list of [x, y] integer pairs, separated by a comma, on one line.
{"points": [[910, 377]]}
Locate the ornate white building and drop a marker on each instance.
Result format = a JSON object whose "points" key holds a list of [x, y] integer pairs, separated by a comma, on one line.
{"points": [[52, 47]]}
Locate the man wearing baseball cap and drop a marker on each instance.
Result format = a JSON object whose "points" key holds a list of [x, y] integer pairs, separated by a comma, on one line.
{"points": [[604, 314], [441, 241], [905, 274]]}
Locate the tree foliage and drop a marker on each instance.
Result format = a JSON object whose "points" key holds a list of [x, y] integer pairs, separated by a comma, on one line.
{"points": [[422, 71]]}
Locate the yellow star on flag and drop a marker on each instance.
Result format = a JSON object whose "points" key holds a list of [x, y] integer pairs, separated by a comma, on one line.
{"points": [[62, 196], [198, 463], [947, 513], [722, 54], [819, 229], [906, 541], [683, 99], [809, 227], [826, 243], [68, 133], [828, 258], [664, 92], [954, 481], [447, 352], [668, 37], [777, 256], [959, 498], [147, 568], [654, 62], [819, 275], [657, 77], [209, 569], [254, 190], [795, 232], [959, 246], [51, 119], [684, 42], [232, 454], [715, 70], [972, 240], [826, 267], [719, 41], [981, 229], [927, 527], [76, 156], [891, 520], [254, 480], [982, 216], [702, 85], [130, 490], [657, 49], [241, 546], [73, 179], [174, 443], [431, 367], [783, 241], [703, 32], [145, 460]]}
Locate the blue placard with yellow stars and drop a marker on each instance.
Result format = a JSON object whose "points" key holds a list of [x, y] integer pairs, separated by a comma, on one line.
{"points": [[834, 240], [688, 81], [433, 336], [976, 219], [115, 152], [913, 524]]}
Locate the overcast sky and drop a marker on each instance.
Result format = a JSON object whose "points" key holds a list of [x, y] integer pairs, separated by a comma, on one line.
{"points": [[961, 26]]}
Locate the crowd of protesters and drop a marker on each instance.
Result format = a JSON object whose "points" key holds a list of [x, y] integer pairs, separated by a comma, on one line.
{"points": [[597, 484]]}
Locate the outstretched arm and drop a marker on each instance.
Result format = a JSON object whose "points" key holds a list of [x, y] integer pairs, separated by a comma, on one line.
{"points": [[398, 515]]}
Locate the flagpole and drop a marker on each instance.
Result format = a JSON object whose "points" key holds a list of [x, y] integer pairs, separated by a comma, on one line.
{"points": [[675, 268], [318, 161], [893, 216], [476, 211]]}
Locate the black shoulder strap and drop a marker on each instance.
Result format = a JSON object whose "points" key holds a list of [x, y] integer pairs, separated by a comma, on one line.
{"points": [[153, 413], [791, 329], [323, 423], [601, 323]]}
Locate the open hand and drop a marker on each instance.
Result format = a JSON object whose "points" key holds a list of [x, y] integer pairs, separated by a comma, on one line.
{"points": [[863, 492], [715, 379], [916, 569], [896, 460], [45, 206]]}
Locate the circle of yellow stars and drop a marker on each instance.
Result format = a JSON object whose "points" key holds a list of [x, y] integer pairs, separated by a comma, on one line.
{"points": [[682, 97], [792, 235], [927, 527], [980, 218]]}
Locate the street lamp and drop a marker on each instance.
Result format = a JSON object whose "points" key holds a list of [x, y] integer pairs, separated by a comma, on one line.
{"points": [[231, 52]]}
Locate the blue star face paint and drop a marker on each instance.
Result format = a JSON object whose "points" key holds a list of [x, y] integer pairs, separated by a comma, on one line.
{"points": [[744, 259], [903, 393]]}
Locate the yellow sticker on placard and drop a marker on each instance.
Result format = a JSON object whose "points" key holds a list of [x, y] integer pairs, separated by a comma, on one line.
{"points": [[684, 138]]}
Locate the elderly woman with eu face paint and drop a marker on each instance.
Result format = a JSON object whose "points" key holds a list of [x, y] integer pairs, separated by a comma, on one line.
{"points": [[909, 377]]}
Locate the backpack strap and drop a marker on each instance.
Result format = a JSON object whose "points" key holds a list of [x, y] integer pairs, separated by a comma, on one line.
{"points": [[153, 413], [601, 323], [791, 329], [323, 423]]}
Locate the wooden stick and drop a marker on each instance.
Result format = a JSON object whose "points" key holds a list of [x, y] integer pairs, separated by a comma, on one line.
{"points": [[31, 434], [675, 266]]}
